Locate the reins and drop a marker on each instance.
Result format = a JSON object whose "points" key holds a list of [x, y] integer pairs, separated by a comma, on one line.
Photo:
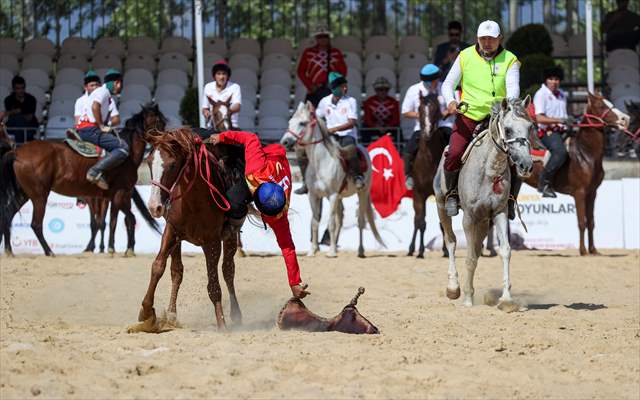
{"points": [[300, 136]]}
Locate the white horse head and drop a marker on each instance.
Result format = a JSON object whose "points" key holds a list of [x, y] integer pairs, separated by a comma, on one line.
{"points": [[511, 128], [302, 119]]}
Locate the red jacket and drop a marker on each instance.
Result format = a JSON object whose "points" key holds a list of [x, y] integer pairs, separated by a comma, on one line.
{"points": [[269, 164], [377, 113], [312, 69]]}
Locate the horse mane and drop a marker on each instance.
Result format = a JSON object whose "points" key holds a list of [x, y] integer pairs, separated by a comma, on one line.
{"points": [[176, 141]]}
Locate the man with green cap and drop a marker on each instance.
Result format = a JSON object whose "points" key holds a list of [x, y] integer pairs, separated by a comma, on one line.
{"points": [[91, 83], [93, 128], [341, 115]]}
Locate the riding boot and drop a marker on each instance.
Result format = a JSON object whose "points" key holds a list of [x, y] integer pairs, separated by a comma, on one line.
{"points": [[303, 162], [112, 160], [544, 184], [516, 182], [231, 227], [451, 197], [353, 165]]}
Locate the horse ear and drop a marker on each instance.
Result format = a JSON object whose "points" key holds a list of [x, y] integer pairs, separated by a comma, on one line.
{"points": [[527, 101]]}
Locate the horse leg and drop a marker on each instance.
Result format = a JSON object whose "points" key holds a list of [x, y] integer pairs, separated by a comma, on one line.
{"points": [[363, 201], [418, 205], [490, 242], [581, 213], [445, 251], [240, 251], [93, 224], [475, 232], [177, 269], [228, 272], [12, 210], [420, 222], [333, 225], [113, 222], [316, 214], [39, 205], [500, 223], [130, 223], [591, 202], [449, 237], [212, 255], [102, 222], [412, 245]]}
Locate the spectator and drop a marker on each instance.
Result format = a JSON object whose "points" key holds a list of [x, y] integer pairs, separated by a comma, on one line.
{"points": [[221, 90], [622, 28], [447, 52], [20, 108], [381, 112], [314, 66]]}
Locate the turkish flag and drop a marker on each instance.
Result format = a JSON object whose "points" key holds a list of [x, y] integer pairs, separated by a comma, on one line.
{"points": [[387, 180]]}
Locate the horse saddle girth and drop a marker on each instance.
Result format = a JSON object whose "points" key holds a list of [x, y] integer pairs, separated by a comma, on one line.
{"points": [[85, 149]]}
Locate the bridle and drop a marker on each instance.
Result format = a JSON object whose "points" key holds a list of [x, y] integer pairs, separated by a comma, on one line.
{"points": [[300, 136], [502, 143]]}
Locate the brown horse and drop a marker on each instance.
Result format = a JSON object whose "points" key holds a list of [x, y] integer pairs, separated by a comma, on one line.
{"points": [[430, 147], [582, 173], [189, 180], [35, 169]]}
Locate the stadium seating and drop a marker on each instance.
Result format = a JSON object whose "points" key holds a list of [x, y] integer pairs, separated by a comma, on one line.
{"points": [[57, 126], [272, 128], [10, 63], [71, 76], [245, 78], [277, 46], [244, 60], [413, 44], [140, 61], [379, 60], [169, 107], [215, 45], [274, 92], [274, 108], [110, 45], [380, 44], [279, 76], [135, 91], [347, 44], [374, 73], [411, 60], [66, 92], [61, 107], [76, 46], [176, 45], [304, 43], [623, 57], [72, 61], [37, 61], [276, 60], [621, 74], [174, 61], [169, 92], [41, 46], [245, 46], [624, 89], [353, 61], [247, 123], [37, 77], [139, 76], [142, 45], [173, 76], [102, 61], [5, 77], [10, 46]]}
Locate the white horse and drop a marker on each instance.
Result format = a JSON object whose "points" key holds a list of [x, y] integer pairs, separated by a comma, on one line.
{"points": [[326, 177], [483, 187]]}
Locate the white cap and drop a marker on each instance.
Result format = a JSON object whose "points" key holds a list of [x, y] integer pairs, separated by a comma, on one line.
{"points": [[489, 28]]}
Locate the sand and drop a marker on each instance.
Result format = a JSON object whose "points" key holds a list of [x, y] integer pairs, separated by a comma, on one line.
{"points": [[63, 330]]}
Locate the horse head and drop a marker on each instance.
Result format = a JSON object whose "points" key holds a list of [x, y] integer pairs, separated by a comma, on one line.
{"points": [[603, 109], [171, 151], [510, 128], [220, 114], [300, 126], [429, 114], [634, 109]]}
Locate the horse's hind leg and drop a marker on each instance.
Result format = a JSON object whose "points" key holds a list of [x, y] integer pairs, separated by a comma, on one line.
{"points": [[475, 232], [316, 213], [177, 269], [453, 284], [363, 202], [11, 211], [102, 222], [212, 255], [445, 252], [228, 272], [39, 205], [113, 222], [418, 221], [93, 224], [333, 225]]}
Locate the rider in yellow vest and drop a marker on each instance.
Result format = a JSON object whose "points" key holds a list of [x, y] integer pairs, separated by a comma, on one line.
{"points": [[487, 73]]}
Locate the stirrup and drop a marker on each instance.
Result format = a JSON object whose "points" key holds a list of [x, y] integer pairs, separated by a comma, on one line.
{"points": [[451, 203], [548, 192], [302, 190], [98, 180]]}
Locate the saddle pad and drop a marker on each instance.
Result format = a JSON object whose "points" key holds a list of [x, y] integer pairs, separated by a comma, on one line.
{"points": [[543, 155], [73, 134], [85, 149]]}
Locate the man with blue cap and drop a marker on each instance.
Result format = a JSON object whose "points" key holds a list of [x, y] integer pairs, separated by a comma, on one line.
{"points": [[268, 185], [94, 129]]}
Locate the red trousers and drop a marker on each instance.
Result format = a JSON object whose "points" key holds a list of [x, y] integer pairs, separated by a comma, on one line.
{"points": [[460, 138]]}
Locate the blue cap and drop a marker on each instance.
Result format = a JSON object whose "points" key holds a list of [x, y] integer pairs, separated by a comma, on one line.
{"points": [[429, 72], [270, 198]]}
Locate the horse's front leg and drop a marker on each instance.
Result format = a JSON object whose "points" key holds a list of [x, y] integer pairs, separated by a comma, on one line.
{"points": [[363, 202], [177, 270], [212, 255], [113, 222], [581, 213], [475, 232], [230, 246], [449, 239], [591, 202], [333, 225], [500, 223], [316, 213]]}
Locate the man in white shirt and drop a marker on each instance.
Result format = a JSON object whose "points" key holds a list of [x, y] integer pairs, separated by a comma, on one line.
{"points": [[82, 106], [340, 112], [221, 90], [93, 128], [551, 115]]}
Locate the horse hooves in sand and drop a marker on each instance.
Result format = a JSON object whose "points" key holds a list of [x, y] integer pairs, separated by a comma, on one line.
{"points": [[453, 294], [296, 316], [129, 253]]}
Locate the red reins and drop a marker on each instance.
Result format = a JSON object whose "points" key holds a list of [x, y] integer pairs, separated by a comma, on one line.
{"points": [[300, 136]]}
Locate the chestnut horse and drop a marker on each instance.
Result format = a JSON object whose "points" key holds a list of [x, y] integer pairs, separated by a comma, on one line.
{"points": [[430, 147], [35, 169], [582, 173], [189, 180]]}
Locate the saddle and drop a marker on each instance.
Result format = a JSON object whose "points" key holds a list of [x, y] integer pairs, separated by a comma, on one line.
{"points": [[85, 149], [542, 154]]}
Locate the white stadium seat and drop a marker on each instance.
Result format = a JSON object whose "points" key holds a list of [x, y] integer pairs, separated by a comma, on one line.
{"points": [[61, 107], [247, 123], [354, 81], [276, 76], [176, 44], [10, 46], [57, 126], [245, 77], [248, 61], [245, 46], [41, 46], [169, 92], [142, 45], [110, 45], [173, 76], [276, 60], [5, 78], [4, 92], [9, 62], [130, 107], [621, 102], [249, 96], [380, 44], [374, 74], [300, 92], [247, 110], [38, 61], [379, 60], [106, 61], [135, 91], [353, 61], [209, 61], [39, 93], [71, 76], [274, 108], [215, 45], [347, 43], [621, 74], [169, 107], [272, 127], [625, 57], [76, 46], [277, 46], [275, 92], [174, 61], [72, 61], [138, 76], [102, 72], [624, 89], [409, 76], [66, 92], [412, 61], [37, 77], [413, 44], [140, 61], [304, 43], [407, 126]]}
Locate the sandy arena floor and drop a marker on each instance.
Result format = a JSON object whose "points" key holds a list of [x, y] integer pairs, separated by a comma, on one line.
{"points": [[63, 331]]}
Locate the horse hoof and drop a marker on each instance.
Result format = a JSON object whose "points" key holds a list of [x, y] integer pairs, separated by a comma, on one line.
{"points": [[453, 293], [332, 255], [491, 298], [361, 255], [148, 325], [129, 253], [87, 250], [168, 321], [311, 254], [240, 252], [508, 306], [594, 252], [111, 250], [421, 255]]}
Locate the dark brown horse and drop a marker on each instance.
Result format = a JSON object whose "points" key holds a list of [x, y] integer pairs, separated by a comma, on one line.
{"points": [[582, 173], [35, 169], [430, 147], [189, 180]]}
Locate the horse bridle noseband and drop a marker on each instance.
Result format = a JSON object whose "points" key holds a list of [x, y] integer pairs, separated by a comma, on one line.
{"points": [[300, 136]]}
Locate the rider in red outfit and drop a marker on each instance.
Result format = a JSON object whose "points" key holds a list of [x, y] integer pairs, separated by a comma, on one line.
{"points": [[269, 165]]}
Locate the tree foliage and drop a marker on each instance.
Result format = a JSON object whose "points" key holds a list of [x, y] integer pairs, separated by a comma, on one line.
{"points": [[530, 39]]}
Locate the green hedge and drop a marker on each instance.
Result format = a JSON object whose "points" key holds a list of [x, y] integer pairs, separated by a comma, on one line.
{"points": [[532, 69], [189, 108], [530, 39]]}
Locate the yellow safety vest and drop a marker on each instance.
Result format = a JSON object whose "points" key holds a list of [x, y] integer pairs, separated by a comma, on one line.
{"points": [[483, 82]]}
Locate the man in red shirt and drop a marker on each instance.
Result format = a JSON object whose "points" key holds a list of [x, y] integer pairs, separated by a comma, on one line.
{"points": [[268, 177], [381, 112], [315, 64]]}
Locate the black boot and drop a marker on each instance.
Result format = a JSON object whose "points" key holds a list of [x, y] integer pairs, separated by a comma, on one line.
{"points": [[451, 197], [303, 163], [231, 227], [544, 185], [112, 160]]}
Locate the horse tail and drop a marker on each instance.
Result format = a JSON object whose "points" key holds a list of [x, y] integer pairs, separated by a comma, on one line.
{"points": [[144, 211], [371, 219], [11, 196]]}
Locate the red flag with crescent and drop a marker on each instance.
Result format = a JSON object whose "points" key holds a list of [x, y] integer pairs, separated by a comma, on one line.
{"points": [[387, 179]]}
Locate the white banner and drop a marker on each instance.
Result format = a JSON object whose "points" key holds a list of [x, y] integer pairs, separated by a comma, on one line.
{"points": [[552, 224]]}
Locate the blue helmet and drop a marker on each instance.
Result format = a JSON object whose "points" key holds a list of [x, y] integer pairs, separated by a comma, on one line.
{"points": [[270, 198], [429, 72]]}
